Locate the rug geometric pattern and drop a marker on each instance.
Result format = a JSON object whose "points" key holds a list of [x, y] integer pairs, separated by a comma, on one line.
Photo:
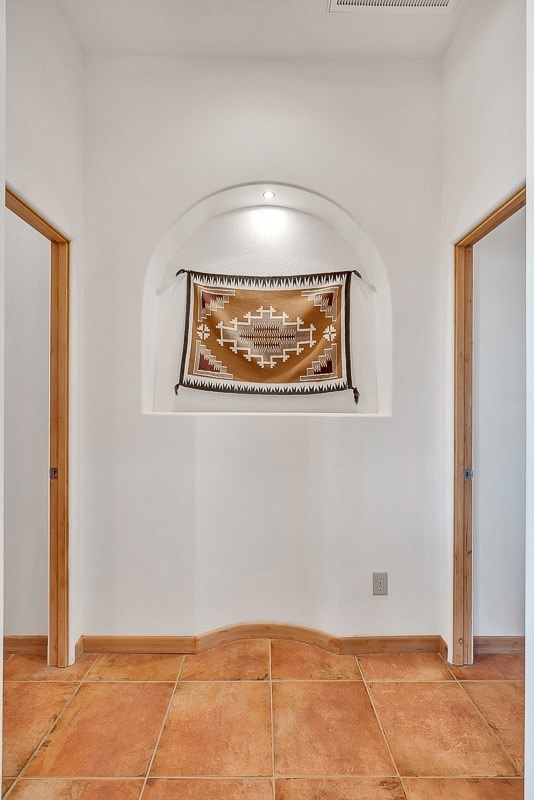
{"points": [[281, 335]]}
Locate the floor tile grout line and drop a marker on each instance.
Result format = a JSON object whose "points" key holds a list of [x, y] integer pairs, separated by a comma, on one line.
{"points": [[44, 682], [405, 680], [97, 657], [59, 679], [460, 683], [47, 734], [150, 763], [87, 679], [499, 742], [265, 778], [463, 778], [265, 680], [394, 762], [491, 680], [453, 675], [51, 728], [494, 732], [449, 668], [273, 782], [157, 683], [452, 667], [262, 680], [360, 670], [170, 682]]}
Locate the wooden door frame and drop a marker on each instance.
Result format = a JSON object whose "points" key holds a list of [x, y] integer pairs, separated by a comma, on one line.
{"points": [[58, 631], [462, 646]]}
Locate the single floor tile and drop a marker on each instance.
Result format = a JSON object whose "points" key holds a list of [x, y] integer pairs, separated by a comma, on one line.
{"points": [[301, 662], [38, 789], [245, 660], [464, 789], [405, 667], [433, 729], [208, 789], [495, 667], [30, 709], [109, 730], [29, 667], [339, 789], [135, 667], [503, 705], [327, 728], [216, 729]]}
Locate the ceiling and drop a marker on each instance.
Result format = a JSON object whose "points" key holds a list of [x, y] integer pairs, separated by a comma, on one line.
{"points": [[254, 28]]}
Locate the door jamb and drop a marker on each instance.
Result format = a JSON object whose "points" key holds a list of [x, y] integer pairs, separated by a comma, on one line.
{"points": [[462, 649], [58, 633]]}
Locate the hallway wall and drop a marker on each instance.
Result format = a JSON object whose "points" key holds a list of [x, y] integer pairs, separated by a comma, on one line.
{"points": [[45, 166], [196, 522], [395, 143], [499, 431], [483, 164], [26, 456], [529, 624]]}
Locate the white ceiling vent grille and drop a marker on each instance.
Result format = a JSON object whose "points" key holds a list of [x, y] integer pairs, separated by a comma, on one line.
{"points": [[393, 6]]}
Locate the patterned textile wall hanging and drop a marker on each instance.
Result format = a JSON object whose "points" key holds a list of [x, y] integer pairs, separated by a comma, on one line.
{"points": [[278, 335]]}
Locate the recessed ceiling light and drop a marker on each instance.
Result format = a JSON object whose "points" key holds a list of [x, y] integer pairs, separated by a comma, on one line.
{"points": [[269, 195]]}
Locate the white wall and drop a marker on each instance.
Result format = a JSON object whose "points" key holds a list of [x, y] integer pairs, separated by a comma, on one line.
{"points": [[26, 429], [529, 581], [196, 522], [161, 134], [45, 164], [499, 431], [483, 163], [2, 229], [483, 112]]}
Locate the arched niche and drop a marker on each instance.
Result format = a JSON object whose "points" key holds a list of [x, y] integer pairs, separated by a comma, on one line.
{"points": [[236, 231]]}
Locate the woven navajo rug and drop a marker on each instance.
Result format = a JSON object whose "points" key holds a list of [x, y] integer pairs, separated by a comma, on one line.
{"points": [[277, 335]]}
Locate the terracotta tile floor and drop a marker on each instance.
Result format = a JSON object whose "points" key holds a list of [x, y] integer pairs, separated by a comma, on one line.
{"points": [[262, 720]]}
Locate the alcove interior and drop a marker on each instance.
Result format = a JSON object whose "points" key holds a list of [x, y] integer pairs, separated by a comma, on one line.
{"points": [[237, 231]]}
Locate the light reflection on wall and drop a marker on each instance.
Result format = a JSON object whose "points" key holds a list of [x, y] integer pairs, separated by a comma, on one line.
{"points": [[269, 223]]}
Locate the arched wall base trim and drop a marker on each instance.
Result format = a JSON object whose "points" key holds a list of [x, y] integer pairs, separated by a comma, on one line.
{"points": [[343, 645]]}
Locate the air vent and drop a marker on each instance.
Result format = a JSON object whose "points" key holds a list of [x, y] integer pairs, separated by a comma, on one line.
{"points": [[393, 6]]}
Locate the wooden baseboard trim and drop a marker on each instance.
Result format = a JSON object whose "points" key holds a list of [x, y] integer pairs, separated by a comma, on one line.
{"points": [[139, 644], [443, 648], [487, 645], [78, 650], [359, 645], [271, 630], [34, 645], [349, 645]]}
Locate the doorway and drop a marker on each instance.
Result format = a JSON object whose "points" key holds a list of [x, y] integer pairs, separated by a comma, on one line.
{"points": [[58, 549], [499, 422], [462, 646]]}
